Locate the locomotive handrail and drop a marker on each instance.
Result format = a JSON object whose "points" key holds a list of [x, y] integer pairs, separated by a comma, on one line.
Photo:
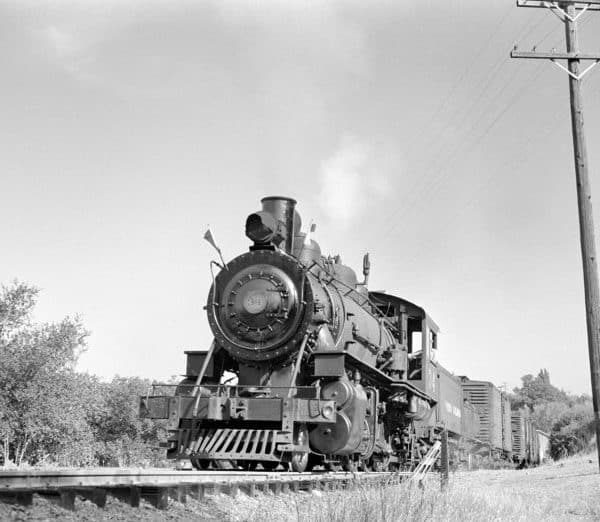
{"points": [[202, 371], [374, 312], [389, 382], [227, 390], [237, 390], [297, 365]]}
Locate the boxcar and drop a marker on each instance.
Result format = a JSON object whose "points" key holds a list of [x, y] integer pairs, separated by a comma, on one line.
{"points": [[526, 444], [506, 426], [487, 401], [519, 440], [543, 446], [532, 442]]}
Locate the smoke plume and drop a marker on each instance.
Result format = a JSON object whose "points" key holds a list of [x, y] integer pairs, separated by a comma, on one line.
{"points": [[353, 181]]}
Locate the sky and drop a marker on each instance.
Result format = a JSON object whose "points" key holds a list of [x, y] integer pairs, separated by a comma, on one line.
{"points": [[402, 129]]}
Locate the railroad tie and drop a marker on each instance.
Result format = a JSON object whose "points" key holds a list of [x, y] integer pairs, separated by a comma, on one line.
{"points": [[178, 493], [157, 497], [250, 489], [22, 498], [129, 494], [276, 487], [231, 489], [65, 498], [95, 495]]}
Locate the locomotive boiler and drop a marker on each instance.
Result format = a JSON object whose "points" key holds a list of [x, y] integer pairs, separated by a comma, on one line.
{"points": [[307, 367]]}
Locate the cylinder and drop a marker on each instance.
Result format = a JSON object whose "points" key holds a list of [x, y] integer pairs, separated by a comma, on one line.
{"points": [[282, 209]]}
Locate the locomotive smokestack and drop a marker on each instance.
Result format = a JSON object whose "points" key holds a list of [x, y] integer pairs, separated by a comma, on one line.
{"points": [[276, 222], [282, 209]]}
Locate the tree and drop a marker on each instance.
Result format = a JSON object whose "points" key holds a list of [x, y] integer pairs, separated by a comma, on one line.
{"points": [[122, 438], [40, 408], [568, 418], [573, 431], [536, 391], [545, 415], [49, 412]]}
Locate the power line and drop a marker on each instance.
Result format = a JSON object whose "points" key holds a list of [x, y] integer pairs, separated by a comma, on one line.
{"points": [[567, 11], [522, 160], [526, 28], [437, 181], [441, 172], [464, 74], [417, 188]]}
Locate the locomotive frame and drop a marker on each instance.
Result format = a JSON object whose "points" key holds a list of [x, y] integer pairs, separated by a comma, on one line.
{"points": [[329, 374]]}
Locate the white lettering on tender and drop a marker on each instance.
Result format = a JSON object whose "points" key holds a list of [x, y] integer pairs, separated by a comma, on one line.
{"points": [[453, 410]]}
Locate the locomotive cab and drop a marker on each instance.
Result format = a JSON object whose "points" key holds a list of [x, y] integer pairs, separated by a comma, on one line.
{"points": [[419, 335]]}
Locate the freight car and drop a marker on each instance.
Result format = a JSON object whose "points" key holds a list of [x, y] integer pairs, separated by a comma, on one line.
{"points": [[526, 440], [326, 373], [493, 407]]}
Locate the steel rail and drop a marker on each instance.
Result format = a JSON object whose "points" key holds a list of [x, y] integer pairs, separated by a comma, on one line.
{"points": [[113, 477], [159, 486]]}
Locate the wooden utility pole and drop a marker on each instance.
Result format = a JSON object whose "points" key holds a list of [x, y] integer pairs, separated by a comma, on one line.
{"points": [[569, 11], [445, 461]]}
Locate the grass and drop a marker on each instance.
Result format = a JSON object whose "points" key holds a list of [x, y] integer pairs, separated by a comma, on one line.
{"points": [[567, 490], [564, 491]]}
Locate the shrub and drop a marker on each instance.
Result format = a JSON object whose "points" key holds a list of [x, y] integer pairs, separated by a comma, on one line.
{"points": [[573, 431]]}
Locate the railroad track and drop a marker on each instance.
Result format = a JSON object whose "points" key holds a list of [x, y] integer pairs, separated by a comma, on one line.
{"points": [[157, 486]]}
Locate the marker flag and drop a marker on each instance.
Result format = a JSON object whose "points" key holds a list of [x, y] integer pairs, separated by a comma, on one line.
{"points": [[209, 237]]}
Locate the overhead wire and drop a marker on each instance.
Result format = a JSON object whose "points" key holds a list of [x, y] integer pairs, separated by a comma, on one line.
{"points": [[551, 129], [464, 74], [525, 29], [427, 183], [587, 17], [494, 72], [522, 160], [482, 92], [438, 179], [547, 35], [441, 173]]}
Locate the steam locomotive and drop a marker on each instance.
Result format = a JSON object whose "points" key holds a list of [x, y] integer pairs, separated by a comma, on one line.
{"points": [[327, 372]]}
